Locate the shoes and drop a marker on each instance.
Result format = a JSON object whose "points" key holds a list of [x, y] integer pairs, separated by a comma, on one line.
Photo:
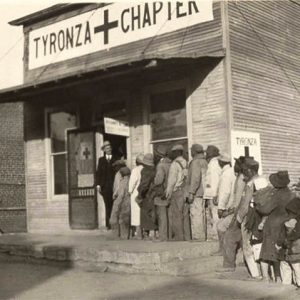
{"points": [[226, 270]]}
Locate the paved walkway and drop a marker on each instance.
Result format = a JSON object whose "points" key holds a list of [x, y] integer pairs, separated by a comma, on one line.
{"points": [[101, 249]]}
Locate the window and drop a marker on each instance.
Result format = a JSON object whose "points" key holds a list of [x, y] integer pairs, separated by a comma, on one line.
{"points": [[59, 122], [168, 119]]}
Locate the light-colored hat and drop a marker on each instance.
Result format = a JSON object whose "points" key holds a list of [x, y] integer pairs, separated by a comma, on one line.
{"points": [[139, 158], [224, 158], [177, 147], [290, 223], [148, 160], [197, 148], [161, 150], [105, 144]]}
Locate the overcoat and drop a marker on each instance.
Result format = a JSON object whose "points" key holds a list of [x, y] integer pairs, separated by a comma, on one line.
{"points": [[146, 198], [274, 208]]}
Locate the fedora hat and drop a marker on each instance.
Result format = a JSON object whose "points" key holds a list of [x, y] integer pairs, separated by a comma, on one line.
{"points": [[177, 147], [161, 150], [280, 179], [148, 160], [105, 144], [197, 148], [139, 158], [212, 151]]}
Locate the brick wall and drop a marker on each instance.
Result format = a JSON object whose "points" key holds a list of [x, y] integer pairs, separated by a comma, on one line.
{"points": [[12, 170]]}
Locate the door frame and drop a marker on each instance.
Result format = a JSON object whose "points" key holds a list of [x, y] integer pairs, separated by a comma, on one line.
{"points": [[82, 130]]}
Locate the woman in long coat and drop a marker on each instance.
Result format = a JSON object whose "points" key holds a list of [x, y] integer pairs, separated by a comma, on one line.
{"points": [[146, 195], [274, 208], [120, 215], [134, 183]]}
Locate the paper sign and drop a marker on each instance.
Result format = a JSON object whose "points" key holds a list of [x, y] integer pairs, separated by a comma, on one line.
{"points": [[245, 143], [117, 127]]}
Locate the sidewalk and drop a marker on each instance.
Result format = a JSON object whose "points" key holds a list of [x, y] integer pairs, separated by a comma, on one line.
{"points": [[98, 250]]}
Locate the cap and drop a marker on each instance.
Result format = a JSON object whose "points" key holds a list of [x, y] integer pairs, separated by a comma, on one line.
{"points": [[148, 160], [140, 157], [125, 171]]}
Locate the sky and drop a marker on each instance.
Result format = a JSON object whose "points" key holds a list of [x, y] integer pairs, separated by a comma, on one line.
{"points": [[11, 37]]}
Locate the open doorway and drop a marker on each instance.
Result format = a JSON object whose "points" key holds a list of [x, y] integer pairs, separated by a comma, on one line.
{"points": [[118, 144]]}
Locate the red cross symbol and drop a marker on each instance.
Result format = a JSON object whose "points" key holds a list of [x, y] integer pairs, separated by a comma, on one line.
{"points": [[86, 153], [106, 26]]}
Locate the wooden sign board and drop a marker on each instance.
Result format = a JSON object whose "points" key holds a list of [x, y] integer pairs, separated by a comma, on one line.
{"points": [[112, 25]]}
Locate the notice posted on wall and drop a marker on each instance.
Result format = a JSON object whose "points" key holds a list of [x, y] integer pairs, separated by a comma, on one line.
{"points": [[246, 143], [117, 127]]}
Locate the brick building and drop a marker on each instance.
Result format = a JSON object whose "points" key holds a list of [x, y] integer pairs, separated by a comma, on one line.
{"points": [[222, 73], [12, 169]]}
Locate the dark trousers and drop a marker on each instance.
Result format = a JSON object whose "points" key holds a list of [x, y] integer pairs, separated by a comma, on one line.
{"points": [[162, 219], [231, 243], [108, 201], [179, 217]]}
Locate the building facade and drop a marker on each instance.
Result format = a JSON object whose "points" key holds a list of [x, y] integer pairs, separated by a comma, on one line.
{"points": [[141, 75]]}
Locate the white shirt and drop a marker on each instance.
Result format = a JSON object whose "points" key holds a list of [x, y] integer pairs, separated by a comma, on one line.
{"points": [[226, 188]]}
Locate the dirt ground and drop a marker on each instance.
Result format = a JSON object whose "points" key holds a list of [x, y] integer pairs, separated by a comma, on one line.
{"points": [[20, 280]]}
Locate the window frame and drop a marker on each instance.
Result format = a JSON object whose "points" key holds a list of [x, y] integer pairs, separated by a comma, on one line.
{"points": [[162, 88], [50, 155]]}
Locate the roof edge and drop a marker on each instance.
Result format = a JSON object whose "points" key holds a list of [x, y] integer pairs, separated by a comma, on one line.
{"points": [[47, 13]]}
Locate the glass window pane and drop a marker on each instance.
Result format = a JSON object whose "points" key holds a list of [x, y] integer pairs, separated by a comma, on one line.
{"points": [[59, 122], [170, 144], [60, 174], [168, 115]]}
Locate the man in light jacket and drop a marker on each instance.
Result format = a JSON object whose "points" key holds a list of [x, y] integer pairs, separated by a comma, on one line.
{"points": [[195, 191], [226, 201], [211, 188]]}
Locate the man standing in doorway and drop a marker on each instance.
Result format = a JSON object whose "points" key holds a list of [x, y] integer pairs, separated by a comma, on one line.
{"points": [[105, 175], [211, 189], [195, 191]]}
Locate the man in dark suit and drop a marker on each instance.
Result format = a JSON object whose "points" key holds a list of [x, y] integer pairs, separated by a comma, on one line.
{"points": [[105, 175]]}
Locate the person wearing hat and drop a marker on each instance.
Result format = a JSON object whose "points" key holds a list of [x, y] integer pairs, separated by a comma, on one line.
{"points": [[134, 182], [275, 208], [236, 232], [161, 155], [195, 191], [105, 176], [120, 216], [211, 189], [146, 197], [179, 219], [289, 242], [226, 200]]}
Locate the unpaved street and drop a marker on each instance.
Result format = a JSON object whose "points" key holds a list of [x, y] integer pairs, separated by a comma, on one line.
{"points": [[26, 281]]}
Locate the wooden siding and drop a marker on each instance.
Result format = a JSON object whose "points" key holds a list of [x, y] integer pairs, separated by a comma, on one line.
{"points": [[197, 40], [264, 45], [209, 107]]}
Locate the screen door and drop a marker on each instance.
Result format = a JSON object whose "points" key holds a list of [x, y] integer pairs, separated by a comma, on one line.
{"points": [[81, 170]]}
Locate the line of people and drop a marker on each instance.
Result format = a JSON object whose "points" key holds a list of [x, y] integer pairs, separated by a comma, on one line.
{"points": [[264, 220], [167, 198]]}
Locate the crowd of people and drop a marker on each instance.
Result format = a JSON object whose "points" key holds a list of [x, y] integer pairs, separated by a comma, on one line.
{"points": [[165, 198]]}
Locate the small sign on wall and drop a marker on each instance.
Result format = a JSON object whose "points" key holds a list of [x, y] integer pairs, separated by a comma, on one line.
{"points": [[117, 127], [245, 143]]}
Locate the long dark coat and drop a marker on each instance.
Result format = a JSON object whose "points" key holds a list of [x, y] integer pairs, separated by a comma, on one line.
{"points": [[274, 208], [105, 176], [146, 197]]}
